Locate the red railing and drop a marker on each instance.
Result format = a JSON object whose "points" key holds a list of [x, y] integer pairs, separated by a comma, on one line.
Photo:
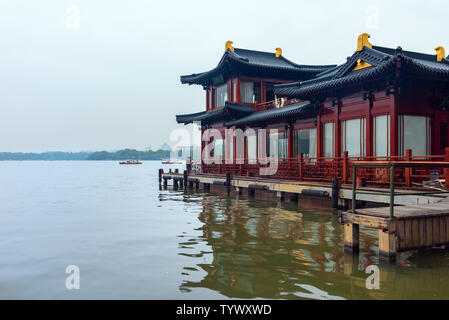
{"points": [[327, 168], [273, 104]]}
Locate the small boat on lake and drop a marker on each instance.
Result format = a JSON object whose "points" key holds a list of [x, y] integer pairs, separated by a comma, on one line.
{"points": [[130, 162], [171, 162]]}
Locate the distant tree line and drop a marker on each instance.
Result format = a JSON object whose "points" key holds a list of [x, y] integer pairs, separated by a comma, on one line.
{"points": [[99, 155], [129, 154], [54, 155]]}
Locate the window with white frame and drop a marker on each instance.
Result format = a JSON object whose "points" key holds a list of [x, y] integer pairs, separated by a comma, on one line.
{"points": [[251, 149], [246, 92], [381, 141], [353, 134], [329, 142], [218, 148], [221, 95], [305, 143], [414, 134]]}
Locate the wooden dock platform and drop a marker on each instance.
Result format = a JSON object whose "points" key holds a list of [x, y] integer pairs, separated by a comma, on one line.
{"points": [[413, 227], [284, 188], [420, 219]]}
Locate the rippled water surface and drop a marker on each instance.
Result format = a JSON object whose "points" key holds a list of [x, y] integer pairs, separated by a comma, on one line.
{"points": [[132, 240]]}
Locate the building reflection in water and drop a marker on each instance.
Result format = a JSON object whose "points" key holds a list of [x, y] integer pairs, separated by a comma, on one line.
{"points": [[263, 249]]}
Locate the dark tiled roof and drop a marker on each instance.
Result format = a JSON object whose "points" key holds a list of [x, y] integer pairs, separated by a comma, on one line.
{"points": [[384, 62], [291, 111], [229, 111], [250, 62]]}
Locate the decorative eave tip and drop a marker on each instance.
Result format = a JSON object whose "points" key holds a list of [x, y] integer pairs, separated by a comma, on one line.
{"points": [[362, 41], [278, 52], [440, 52], [229, 46]]}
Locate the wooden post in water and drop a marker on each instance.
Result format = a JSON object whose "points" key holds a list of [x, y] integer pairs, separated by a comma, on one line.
{"points": [[228, 182], [184, 180], [161, 172], [388, 241], [351, 237], [335, 191]]}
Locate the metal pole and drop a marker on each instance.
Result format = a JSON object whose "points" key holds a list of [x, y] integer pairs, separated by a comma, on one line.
{"points": [[392, 192], [354, 185]]}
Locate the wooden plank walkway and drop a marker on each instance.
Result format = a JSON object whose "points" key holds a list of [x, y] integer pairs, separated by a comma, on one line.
{"points": [[413, 227]]}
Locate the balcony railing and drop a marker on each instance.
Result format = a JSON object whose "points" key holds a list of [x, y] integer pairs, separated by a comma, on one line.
{"points": [[325, 169]]}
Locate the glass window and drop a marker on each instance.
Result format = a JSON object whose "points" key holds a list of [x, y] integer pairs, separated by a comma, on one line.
{"points": [[229, 148], [246, 92], [218, 148], [415, 134], [329, 143], [221, 95], [381, 136], [305, 143], [278, 140], [353, 137], [251, 149]]}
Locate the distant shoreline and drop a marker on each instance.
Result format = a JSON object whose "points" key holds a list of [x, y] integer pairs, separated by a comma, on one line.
{"points": [[124, 154]]}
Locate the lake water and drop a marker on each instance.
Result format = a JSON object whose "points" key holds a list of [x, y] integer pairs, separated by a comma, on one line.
{"points": [[132, 240]]}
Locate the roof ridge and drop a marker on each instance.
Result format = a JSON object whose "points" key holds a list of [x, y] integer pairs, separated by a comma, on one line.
{"points": [[412, 54]]}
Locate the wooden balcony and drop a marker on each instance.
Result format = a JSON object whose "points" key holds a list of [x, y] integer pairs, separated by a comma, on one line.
{"points": [[325, 169]]}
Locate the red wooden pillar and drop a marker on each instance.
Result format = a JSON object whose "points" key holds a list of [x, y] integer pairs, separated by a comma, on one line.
{"points": [[238, 89], [369, 129], [229, 84], [263, 97], [345, 167], [290, 147], [394, 125], [446, 171], [300, 167], [202, 149], [319, 136], [212, 98], [337, 133], [408, 158], [207, 98]]}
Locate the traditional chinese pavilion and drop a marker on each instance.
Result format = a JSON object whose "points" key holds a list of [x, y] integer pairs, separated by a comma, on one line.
{"points": [[381, 104]]}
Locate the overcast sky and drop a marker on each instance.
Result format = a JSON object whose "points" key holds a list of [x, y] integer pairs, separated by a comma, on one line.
{"points": [[110, 79]]}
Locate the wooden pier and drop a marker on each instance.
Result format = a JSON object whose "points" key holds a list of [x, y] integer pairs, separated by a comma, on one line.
{"points": [[413, 219], [401, 228], [413, 227]]}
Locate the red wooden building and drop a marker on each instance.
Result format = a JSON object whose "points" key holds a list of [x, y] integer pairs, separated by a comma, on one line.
{"points": [[381, 104]]}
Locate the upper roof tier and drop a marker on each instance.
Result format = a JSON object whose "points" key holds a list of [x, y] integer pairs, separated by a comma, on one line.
{"points": [[230, 111], [245, 62], [370, 63]]}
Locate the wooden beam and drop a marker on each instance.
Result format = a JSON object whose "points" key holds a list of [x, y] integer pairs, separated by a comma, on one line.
{"points": [[351, 237]]}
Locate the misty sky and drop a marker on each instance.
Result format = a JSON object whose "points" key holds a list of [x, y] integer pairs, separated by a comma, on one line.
{"points": [[113, 80]]}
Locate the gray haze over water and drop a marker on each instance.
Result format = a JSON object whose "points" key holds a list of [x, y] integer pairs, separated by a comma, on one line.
{"points": [[95, 75]]}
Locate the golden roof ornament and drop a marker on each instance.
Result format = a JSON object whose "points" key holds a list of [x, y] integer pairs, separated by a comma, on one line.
{"points": [[278, 52], [229, 46], [441, 54], [362, 41]]}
